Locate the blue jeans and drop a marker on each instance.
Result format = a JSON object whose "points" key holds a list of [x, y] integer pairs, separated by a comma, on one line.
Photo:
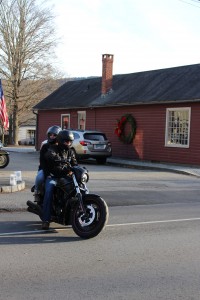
{"points": [[39, 180], [48, 197]]}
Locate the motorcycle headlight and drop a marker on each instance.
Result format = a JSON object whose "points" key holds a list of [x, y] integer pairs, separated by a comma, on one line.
{"points": [[84, 178]]}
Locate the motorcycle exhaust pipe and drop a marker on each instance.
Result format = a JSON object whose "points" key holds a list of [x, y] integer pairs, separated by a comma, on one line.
{"points": [[31, 210], [34, 208], [31, 204]]}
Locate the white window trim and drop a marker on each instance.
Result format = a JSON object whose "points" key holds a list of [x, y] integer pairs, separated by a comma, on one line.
{"points": [[166, 127], [64, 115]]}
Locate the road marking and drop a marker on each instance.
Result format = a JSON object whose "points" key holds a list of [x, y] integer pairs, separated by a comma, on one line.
{"points": [[25, 232], [50, 230], [153, 222]]}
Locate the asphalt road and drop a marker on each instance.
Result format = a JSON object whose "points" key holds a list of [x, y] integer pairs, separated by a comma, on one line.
{"points": [[117, 185], [145, 252], [149, 249]]}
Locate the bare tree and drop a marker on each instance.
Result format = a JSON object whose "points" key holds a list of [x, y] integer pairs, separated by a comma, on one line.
{"points": [[27, 43]]}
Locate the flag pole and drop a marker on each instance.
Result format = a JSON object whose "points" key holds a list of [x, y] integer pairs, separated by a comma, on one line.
{"points": [[2, 132], [2, 137]]}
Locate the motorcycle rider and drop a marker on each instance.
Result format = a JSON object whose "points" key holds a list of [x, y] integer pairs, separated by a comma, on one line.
{"points": [[55, 166], [52, 133]]}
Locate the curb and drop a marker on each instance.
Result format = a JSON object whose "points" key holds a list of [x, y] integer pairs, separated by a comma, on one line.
{"points": [[148, 166], [13, 188]]}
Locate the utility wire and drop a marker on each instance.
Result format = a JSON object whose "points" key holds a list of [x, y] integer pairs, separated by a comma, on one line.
{"points": [[196, 1]]}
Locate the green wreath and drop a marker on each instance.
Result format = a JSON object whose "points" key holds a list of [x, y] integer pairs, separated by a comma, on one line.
{"points": [[120, 129]]}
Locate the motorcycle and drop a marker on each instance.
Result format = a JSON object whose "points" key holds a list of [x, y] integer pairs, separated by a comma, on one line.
{"points": [[4, 157], [73, 205]]}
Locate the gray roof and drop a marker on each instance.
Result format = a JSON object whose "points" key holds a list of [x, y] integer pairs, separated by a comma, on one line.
{"points": [[178, 84], [27, 119]]}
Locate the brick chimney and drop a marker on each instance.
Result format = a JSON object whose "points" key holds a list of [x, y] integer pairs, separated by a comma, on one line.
{"points": [[107, 74]]}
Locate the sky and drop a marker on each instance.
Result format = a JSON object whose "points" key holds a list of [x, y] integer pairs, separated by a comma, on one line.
{"points": [[141, 34]]}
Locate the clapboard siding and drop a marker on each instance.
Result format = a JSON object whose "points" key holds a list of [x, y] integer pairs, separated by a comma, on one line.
{"points": [[149, 142]]}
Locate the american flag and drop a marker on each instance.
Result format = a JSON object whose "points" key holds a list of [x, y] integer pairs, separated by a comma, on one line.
{"points": [[3, 111]]}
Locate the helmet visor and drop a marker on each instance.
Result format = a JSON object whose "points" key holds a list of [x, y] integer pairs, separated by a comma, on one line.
{"points": [[52, 135], [67, 142]]}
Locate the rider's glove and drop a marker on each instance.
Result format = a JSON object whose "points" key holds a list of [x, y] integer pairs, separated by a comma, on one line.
{"points": [[66, 168]]}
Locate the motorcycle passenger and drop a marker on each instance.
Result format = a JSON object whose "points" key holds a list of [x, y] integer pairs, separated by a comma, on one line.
{"points": [[52, 133], [55, 167]]}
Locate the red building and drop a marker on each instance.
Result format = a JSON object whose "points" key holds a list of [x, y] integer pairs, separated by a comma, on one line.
{"points": [[164, 103]]}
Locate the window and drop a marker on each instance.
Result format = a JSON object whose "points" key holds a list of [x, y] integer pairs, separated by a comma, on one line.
{"points": [[76, 136], [30, 134], [81, 119], [95, 137], [177, 127], [65, 121]]}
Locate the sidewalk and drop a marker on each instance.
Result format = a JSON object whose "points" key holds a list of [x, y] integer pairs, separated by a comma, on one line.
{"points": [[194, 171]]}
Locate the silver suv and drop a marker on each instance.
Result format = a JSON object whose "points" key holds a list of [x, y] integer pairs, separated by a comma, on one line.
{"points": [[91, 144]]}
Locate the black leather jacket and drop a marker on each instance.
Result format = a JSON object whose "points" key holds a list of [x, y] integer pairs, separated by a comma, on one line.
{"points": [[43, 150], [55, 161]]}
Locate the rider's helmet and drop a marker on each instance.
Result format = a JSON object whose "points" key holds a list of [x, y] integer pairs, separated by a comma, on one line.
{"points": [[65, 139], [52, 133]]}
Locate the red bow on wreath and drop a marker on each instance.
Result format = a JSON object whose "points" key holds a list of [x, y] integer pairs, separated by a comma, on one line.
{"points": [[120, 129]]}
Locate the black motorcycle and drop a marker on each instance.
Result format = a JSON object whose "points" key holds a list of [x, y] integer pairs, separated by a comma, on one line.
{"points": [[4, 157], [74, 205]]}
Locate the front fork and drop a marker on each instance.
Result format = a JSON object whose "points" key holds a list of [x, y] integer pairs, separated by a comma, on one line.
{"points": [[78, 193]]}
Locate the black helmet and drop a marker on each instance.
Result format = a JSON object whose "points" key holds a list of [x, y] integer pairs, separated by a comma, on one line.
{"points": [[65, 136], [53, 130]]}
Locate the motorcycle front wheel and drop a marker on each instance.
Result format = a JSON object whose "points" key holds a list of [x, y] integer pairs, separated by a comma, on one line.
{"points": [[4, 160], [91, 223]]}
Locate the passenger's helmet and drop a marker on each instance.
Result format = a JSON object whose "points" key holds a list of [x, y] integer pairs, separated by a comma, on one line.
{"points": [[52, 133], [63, 137]]}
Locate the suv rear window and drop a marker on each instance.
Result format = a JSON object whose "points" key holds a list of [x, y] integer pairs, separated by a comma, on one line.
{"points": [[95, 136]]}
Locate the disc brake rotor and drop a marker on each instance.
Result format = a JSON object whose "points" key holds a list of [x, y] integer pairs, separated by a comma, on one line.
{"points": [[88, 218], [2, 160]]}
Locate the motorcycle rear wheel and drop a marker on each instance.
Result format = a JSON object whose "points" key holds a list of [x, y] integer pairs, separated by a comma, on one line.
{"points": [[90, 225], [4, 160]]}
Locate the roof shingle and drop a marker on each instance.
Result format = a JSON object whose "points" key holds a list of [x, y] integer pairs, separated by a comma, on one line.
{"points": [[176, 84]]}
